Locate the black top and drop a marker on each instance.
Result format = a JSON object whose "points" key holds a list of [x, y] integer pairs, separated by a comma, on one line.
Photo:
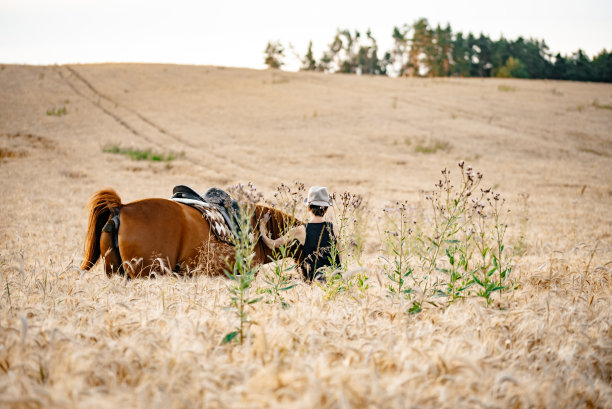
{"points": [[317, 249]]}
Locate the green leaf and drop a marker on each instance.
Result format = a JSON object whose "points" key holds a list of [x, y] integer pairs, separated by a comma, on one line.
{"points": [[254, 300], [416, 308], [465, 287], [229, 337], [288, 287]]}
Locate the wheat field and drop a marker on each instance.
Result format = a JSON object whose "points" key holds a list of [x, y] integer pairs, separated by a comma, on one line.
{"points": [[70, 338]]}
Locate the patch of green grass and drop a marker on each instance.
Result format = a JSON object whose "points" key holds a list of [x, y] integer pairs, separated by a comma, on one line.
{"points": [[597, 152], [506, 88], [280, 80], [57, 111], [556, 92], [139, 154], [432, 146], [597, 105]]}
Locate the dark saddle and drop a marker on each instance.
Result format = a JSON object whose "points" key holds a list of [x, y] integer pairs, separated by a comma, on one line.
{"points": [[220, 199]]}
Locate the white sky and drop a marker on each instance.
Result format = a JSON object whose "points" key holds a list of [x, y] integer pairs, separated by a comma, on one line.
{"points": [[235, 32]]}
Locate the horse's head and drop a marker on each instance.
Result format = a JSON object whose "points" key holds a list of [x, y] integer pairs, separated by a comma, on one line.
{"points": [[279, 224]]}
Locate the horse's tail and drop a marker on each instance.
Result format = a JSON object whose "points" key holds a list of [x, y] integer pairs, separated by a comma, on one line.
{"points": [[100, 206]]}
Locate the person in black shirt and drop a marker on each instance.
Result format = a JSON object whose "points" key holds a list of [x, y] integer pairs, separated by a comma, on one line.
{"points": [[317, 237]]}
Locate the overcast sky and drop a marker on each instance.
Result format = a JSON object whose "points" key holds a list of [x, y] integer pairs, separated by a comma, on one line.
{"points": [[235, 33]]}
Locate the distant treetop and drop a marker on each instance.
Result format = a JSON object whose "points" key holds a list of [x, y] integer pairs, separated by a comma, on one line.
{"points": [[420, 50]]}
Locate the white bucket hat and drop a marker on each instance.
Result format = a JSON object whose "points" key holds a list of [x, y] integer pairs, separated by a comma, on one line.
{"points": [[318, 196]]}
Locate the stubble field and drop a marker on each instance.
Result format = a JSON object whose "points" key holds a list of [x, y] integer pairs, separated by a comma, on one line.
{"points": [[75, 339]]}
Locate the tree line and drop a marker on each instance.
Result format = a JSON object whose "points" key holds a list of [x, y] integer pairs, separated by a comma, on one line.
{"points": [[420, 50]]}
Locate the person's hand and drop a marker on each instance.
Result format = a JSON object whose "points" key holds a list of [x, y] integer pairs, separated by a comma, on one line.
{"points": [[263, 222]]}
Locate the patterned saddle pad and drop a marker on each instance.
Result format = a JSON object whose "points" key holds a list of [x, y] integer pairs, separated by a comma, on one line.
{"points": [[213, 216], [213, 209]]}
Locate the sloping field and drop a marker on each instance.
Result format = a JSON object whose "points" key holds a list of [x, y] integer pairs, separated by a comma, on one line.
{"points": [[73, 339]]}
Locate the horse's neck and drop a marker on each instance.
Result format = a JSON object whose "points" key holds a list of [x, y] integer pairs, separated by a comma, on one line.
{"points": [[280, 223]]}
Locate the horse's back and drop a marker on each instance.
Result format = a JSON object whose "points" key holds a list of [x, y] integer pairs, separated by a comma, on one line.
{"points": [[152, 231]]}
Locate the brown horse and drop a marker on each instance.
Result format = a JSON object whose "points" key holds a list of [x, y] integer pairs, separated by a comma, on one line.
{"points": [[159, 236]]}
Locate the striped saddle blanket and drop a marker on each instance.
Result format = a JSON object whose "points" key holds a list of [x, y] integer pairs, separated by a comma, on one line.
{"points": [[217, 207]]}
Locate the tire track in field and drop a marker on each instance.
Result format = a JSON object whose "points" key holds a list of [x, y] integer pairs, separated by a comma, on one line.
{"points": [[522, 133], [143, 118], [205, 158], [97, 103]]}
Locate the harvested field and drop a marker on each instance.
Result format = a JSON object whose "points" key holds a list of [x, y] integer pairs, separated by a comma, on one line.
{"points": [[79, 339]]}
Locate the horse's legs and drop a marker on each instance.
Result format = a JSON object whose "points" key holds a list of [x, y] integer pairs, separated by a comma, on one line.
{"points": [[112, 261]]}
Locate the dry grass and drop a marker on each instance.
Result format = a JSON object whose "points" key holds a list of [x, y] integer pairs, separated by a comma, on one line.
{"points": [[69, 339], [80, 339]]}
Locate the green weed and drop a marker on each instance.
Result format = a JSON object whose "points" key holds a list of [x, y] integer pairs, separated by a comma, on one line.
{"points": [[242, 270], [506, 88], [556, 92], [289, 199], [597, 105], [455, 250], [594, 151], [139, 154], [57, 111], [432, 146], [520, 246], [397, 265]]}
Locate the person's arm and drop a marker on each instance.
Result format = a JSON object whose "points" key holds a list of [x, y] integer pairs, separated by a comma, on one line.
{"points": [[298, 233]]}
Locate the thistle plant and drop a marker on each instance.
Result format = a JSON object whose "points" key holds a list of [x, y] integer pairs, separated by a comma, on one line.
{"points": [[278, 280], [520, 246], [447, 247], [397, 258], [458, 244], [289, 199], [350, 214], [241, 270], [397, 267], [493, 267]]}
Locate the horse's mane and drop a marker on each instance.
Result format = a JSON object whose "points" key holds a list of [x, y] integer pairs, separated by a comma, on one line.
{"points": [[279, 224]]}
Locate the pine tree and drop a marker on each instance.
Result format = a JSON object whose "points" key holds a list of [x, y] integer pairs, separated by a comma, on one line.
{"points": [[309, 63], [367, 59], [420, 45], [602, 65], [460, 56], [274, 54], [400, 52]]}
